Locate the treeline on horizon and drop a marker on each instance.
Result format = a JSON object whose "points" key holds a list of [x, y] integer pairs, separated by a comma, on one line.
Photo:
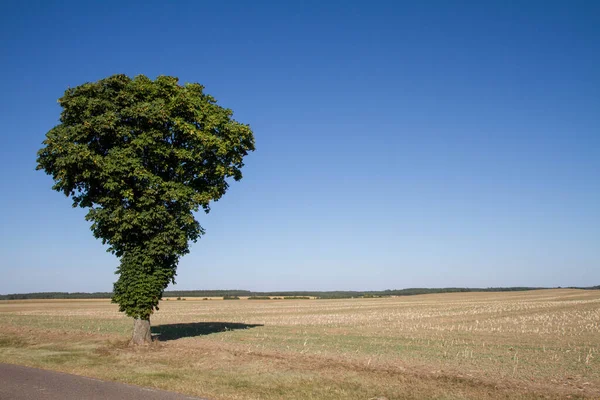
{"points": [[341, 294]]}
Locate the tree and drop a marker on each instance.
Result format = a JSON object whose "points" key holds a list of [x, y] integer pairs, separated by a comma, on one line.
{"points": [[142, 156]]}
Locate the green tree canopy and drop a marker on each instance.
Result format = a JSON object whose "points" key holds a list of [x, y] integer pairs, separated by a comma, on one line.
{"points": [[143, 156]]}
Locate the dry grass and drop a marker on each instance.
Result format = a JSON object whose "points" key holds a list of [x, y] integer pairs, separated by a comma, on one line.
{"points": [[538, 344]]}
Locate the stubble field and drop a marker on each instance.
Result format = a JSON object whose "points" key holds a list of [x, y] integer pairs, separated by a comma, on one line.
{"points": [[524, 345]]}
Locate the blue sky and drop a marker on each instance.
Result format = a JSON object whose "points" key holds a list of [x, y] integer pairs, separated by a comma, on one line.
{"points": [[399, 144]]}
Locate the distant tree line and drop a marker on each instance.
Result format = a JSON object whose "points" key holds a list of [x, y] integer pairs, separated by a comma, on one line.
{"points": [[56, 295], [294, 294]]}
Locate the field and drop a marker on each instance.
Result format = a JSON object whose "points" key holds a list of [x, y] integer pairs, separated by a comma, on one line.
{"points": [[514, 345]]}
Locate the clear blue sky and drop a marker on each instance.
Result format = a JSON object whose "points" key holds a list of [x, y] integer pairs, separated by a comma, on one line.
{"points": [[399, 144]]}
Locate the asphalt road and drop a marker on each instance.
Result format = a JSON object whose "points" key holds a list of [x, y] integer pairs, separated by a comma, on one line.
{"points": [[23, 383]]}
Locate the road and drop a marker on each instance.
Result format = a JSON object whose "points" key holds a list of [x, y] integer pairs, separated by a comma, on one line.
{"points": [[23, 383]]}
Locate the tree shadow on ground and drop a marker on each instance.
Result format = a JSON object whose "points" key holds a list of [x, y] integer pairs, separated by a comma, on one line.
{"points": [[177, 331]]}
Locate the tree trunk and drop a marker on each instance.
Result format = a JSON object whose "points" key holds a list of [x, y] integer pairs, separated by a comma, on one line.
{"points": [[141, 332]]}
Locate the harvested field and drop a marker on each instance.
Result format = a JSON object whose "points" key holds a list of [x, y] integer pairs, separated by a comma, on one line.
{"points": [[535, 344]]}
